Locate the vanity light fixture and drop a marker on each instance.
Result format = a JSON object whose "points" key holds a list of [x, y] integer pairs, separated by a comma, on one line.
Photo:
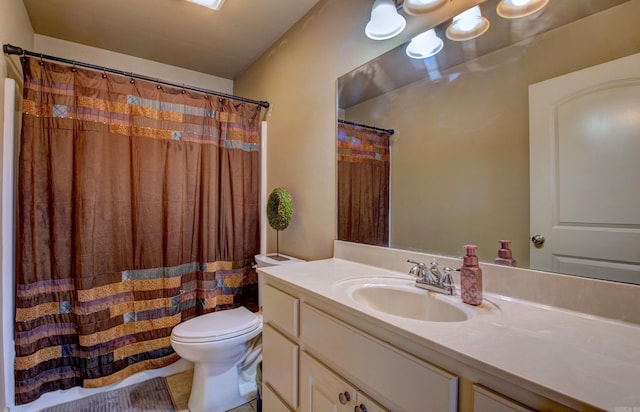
{"points": [[385, 21], [424, 45], [514, 9], [212, 4], [417, 7], [467, 25]]}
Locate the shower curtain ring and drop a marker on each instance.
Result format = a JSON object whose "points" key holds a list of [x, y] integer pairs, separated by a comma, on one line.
{"points": [[73, 68], [131, 75], [104, 72], [41, 63]]}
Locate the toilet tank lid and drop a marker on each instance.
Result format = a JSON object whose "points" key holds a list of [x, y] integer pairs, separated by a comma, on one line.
{"points": [[223, 324], [272, 260]]}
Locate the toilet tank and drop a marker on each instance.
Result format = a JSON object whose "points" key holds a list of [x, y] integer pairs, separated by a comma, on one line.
{"points": [[275, 260]]}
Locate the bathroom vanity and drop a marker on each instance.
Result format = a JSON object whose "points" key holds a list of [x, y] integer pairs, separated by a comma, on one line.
{"points": [[344, 336]]}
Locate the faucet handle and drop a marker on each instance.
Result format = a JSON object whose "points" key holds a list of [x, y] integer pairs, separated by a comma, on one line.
{"points": [[447, 280], [418, 269]]}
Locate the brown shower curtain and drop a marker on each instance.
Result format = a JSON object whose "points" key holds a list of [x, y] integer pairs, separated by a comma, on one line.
{"points": [[363, 185], [138, 209]]}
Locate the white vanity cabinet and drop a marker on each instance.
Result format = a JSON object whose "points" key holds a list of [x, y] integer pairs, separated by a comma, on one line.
{"points": [[319, 343], [313, 361]]}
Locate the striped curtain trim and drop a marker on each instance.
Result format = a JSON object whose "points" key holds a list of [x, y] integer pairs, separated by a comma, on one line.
{"points": [[218, 285]]}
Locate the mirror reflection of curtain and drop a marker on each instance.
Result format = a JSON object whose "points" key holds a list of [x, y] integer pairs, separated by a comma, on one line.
{"points": [[363, 185], [138, 209]]}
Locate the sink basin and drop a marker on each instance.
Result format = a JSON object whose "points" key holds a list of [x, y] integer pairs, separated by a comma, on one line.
{"points": [[399, 297]]}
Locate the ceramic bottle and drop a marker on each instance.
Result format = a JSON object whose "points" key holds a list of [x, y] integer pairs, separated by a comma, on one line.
{"points": [[471, 277], [504, 254]]}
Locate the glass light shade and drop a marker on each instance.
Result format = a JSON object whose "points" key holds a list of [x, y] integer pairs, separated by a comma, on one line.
{"points": [[417, 7], [212, 4], [424, 45], [467, 25], [385, 21], [514, 9]]}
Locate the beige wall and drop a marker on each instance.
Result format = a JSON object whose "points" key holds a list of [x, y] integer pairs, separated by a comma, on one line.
{"points": [[297, 76], [460, 169]]}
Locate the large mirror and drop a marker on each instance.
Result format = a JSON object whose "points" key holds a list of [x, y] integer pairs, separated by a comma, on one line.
{"points": [[460, 169]]}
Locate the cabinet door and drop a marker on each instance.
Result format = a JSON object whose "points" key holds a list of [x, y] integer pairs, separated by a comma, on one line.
{"points": [[280, 364], [322, 390]]}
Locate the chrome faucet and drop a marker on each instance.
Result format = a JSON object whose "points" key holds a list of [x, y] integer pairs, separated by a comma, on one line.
{"points": [[430, 278]]}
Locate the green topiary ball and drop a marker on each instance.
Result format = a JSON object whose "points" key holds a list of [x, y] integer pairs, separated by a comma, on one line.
{"points": [[279, 208]]}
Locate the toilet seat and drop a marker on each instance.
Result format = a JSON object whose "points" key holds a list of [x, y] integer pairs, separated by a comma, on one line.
{"points": [[216, 326]]}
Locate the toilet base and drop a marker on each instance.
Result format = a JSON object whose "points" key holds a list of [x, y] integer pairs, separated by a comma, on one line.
{"points": [[217, 393]]}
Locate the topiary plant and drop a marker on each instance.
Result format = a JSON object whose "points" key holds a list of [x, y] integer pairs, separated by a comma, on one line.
{"points": [[279, 211]]}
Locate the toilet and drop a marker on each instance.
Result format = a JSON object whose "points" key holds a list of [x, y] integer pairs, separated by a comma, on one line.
{"points": [[225, 348], [219, 344]]}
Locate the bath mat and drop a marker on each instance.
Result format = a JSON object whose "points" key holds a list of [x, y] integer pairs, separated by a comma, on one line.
{"points": [[148, 396]]}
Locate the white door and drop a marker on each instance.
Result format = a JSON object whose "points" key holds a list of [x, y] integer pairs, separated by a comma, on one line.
{"points": [[585, 171]]}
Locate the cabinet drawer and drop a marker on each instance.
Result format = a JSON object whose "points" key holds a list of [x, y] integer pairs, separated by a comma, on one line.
{"points": [[485, 400], [280, 365], [406, 381], [281, 309]]}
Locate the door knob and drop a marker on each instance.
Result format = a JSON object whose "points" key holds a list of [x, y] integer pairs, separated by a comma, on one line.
{"points": [[538, 240], [344, 398], [360, 408]]}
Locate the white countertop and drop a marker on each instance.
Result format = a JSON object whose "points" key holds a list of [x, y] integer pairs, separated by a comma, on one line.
{"points": [[590, 359]]}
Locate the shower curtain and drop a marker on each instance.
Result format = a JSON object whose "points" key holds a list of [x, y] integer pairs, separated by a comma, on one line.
{"points": [[138, 209], [363, 185]]}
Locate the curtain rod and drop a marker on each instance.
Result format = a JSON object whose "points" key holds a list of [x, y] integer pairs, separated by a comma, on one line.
{"points": [[390, 131], [9, 49]]}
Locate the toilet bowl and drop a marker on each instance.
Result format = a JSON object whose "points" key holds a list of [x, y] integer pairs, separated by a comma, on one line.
{"points": [[225, 348]]}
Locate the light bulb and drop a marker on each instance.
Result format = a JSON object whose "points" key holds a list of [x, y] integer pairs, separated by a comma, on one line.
{"points": [[424, 45], [385, 21], [469, 19], [515, 9], [467, 25]]}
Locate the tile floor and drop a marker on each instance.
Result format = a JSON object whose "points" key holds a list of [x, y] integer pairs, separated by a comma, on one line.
{"points": [[180, 388]]}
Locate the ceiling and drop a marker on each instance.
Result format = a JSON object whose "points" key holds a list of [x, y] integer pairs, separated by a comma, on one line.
{"points": [[221, 43]]}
